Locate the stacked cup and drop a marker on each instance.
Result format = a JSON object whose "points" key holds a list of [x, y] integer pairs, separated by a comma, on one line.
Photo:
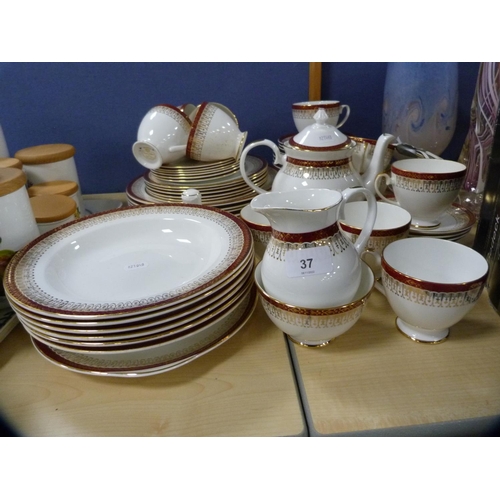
{"points": [[166, 134]]}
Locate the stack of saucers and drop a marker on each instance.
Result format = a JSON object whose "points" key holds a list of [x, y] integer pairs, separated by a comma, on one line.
{"points": [[219, 183], [454, 224], [136, 291]]}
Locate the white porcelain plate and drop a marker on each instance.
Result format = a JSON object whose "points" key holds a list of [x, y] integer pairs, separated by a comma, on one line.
{"points": [[457, 219], [128, 260], [156, 358]]}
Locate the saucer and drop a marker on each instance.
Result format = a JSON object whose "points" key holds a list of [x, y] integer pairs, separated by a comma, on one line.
{"points": [[457, 220]]}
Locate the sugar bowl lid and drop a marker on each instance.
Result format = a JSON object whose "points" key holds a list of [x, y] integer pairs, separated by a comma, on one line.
{"points": [[320, 136]]}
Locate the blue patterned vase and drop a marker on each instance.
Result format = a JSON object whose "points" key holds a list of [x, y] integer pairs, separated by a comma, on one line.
{"points": [[420, 103]]}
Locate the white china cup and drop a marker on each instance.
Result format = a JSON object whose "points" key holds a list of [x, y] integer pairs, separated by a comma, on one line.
{"points": [[214, 134], [163, 127], [303, 113], [431, 284], [315, 327], [391, 224], [423, 187]]}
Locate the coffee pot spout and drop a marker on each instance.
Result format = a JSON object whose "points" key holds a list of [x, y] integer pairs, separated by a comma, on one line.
{"points": [[376, 165]]}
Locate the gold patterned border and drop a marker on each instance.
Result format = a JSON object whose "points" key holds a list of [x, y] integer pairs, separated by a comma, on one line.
{"points": [[432, 298], [318, 164], [199, 130], [306, 237], [430, 287]]}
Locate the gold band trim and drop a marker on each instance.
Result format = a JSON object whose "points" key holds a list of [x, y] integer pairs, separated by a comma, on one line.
{"points": [[318, 164], [321, 234]]}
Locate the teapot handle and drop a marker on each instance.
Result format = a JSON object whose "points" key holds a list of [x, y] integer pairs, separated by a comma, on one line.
{"points": [[371, 215], [264, 142]]}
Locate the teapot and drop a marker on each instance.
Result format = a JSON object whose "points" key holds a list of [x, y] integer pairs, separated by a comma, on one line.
{"points": [[320, 156], [308, 261]]}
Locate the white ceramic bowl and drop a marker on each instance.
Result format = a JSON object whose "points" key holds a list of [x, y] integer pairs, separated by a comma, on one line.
{"points": [[316, 327], [392, 223], [160, 137], [214, 134], [431, 284], [303, 113]]}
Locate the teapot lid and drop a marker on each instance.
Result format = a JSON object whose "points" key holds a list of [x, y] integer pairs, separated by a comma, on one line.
{"points": [[320, 136]]}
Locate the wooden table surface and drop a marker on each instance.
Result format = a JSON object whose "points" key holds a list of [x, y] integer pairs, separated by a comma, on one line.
{"points": [[245, 387], [375, 381]]}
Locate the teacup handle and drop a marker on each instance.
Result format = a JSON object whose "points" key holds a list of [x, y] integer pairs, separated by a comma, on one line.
{"points": [[371, 215], [374, 260], [264, 142], [347, 109], [388, 181]]}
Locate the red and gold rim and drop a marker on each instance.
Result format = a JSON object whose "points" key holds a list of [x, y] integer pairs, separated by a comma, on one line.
{"points": [[428, 176], [430, 285], [376, 232], [306, 107], [321, 234]]}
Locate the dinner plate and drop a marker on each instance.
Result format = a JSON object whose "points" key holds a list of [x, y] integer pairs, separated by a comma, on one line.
{"points": [[127, 261], [147, 335], [186, 309], [157, 356], [254, 166], [55, 359]]}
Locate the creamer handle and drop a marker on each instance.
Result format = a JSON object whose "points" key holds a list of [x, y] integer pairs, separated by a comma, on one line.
{"points": [[371, 215]]}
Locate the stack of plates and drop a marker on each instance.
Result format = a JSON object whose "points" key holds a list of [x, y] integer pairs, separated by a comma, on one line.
{"points": [[219, 183], [454, 224], [136, 291]]}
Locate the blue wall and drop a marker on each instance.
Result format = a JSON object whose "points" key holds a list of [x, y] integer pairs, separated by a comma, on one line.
{"points": [[97, 107]]}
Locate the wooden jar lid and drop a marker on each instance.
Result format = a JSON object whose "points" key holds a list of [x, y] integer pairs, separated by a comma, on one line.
{"points": [[46, 153], [52, 207], [66, 188], [11, 163], [11, 179]]}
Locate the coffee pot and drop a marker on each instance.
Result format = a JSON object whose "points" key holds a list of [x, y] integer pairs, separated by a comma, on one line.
{"points": [[320, 156]]}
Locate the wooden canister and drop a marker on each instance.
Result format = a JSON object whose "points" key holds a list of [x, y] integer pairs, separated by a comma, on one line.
{"points": [[52, 210], [51, 162], [66, 188]]}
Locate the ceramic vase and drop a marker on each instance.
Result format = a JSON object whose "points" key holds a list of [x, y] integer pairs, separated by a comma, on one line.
{"points": [[420, 103]]}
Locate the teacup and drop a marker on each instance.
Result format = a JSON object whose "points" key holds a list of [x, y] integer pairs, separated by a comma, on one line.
{"points": [[431, 284], [315, 327], [391, 224], [424, 187], [214, 134], [303, 113], [162, 130], [259, 227]]}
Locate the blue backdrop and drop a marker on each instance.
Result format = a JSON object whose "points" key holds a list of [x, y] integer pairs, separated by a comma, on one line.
{"points": [[97, 107]]}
